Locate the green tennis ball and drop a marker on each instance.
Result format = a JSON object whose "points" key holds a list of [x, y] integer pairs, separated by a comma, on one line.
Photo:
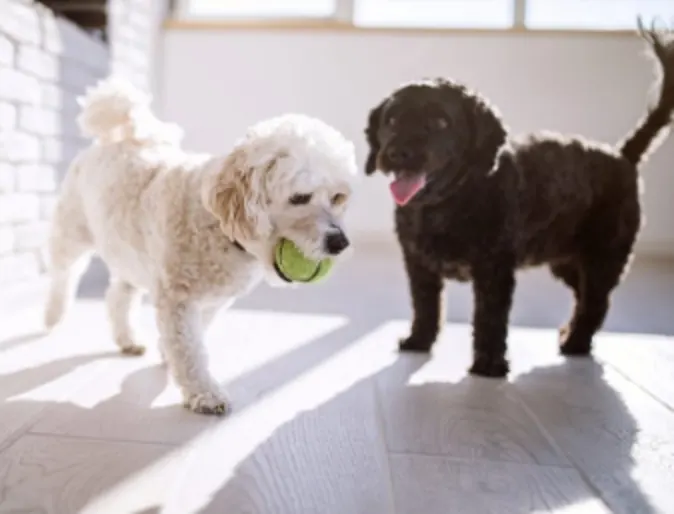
{"points": [[292, 265]]}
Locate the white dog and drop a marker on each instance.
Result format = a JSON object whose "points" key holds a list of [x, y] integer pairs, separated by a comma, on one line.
{"points": [[194, 231]]}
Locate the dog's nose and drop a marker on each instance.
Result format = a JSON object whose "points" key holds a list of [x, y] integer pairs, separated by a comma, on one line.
{"points": [[336, 242], [397, 155]]}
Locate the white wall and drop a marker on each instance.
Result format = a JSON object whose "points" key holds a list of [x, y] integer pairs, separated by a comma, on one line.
{"points": [[215, 83]]}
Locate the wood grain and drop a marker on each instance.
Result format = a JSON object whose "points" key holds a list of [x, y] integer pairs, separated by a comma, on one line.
{"points": [[328, 460], [38, 370], [617, 435], [438, 485], [442, 411], [66, 476], [646, 360]]}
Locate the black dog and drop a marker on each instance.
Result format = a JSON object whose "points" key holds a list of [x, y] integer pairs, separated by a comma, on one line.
{"points": [[476, 206]]}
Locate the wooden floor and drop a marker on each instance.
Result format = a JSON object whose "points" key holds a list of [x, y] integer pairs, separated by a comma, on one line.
{"points": [[329, 419]]}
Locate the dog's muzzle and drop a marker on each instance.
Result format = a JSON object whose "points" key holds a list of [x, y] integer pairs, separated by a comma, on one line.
{"points": [[336, 242]]}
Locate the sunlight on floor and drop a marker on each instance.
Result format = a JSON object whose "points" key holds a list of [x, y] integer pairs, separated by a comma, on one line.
{"points": [[215, 454]]}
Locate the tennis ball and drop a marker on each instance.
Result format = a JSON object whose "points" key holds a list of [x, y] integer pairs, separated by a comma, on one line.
{"points": [[292, 265]]}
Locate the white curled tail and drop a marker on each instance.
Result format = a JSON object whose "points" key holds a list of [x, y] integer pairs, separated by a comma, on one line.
{"points": [[115, 110]]}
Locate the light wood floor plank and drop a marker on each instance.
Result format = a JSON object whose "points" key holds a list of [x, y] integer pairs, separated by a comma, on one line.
{"points": [[438, 485], [312, 446], [432, 406], [327, 460], [37, 371], [645, 359], [617, 435], [136, 401], [53, 475]]}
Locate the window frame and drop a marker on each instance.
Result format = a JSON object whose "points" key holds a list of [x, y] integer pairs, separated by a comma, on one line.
{"points": [[343, 18], [181, 10]]}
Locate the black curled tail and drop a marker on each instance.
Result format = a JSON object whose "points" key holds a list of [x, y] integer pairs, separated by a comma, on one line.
{"points": [[639, 142]]}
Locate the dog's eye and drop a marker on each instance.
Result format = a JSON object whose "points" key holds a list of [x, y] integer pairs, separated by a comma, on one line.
{"points": [[338, 199], [442, 123], [300, 199], [391, 121]]}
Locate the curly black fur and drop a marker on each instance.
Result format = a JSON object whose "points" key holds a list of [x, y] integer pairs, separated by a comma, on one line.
{"points": [[492, 205]]}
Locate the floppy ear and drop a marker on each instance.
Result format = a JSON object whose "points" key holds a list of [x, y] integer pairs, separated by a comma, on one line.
{"points": [[235, 192], [373, 121], [489, 135]]}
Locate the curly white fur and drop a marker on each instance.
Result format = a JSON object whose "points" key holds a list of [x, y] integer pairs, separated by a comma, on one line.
{"points": [[166, 221]]}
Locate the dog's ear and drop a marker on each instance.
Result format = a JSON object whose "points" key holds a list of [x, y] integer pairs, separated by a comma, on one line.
{"points": [[235, 192], [373, 122], [489, 135]]}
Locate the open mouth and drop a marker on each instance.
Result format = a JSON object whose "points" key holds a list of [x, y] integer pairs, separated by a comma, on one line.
{"points": [[405, 186]]}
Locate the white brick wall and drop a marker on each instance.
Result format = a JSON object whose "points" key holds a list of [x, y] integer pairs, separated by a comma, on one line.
{"points": [[20, 21], [45, 63], [7, 116], [6, 51]]}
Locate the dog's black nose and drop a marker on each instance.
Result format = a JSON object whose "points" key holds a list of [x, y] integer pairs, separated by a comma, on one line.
{"points": [[336, 242], [397, 155]]}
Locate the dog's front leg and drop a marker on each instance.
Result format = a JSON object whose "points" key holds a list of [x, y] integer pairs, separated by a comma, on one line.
{"points": [[180, 328], [426, 289], [493, 287]]}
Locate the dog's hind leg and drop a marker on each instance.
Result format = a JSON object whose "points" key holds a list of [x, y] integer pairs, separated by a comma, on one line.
{"points": [[121, 299], [606, 249], [599, 275], [70, 247], [569, 273]]}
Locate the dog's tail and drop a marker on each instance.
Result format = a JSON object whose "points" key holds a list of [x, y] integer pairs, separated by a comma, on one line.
{"points": [[639, 142], [114, 110]]}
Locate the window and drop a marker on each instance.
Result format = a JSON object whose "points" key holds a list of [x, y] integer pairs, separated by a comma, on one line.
{"points": [[595, 14], [481, 14], [258, 9], [434, 13]]}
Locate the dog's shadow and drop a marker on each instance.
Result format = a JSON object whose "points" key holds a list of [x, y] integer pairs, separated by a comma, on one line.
{"points": [[587, 419]]}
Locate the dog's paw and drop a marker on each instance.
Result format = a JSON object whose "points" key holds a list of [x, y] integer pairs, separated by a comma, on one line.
{"points": [[215, 403], [134, 350], [130, 347], [572, 349], [485, 365], [571, 345], [414, 345]]}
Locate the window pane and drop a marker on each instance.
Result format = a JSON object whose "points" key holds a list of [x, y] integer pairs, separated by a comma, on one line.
{"points": [[595, 14], [434, 13], [261, 8]]}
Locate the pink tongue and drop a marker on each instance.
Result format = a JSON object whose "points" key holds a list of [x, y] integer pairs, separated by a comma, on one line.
{"points": [[403, 189]]}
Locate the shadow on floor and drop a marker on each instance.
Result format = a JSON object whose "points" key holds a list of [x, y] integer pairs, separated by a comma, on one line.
{"points": [[253, 489]]}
